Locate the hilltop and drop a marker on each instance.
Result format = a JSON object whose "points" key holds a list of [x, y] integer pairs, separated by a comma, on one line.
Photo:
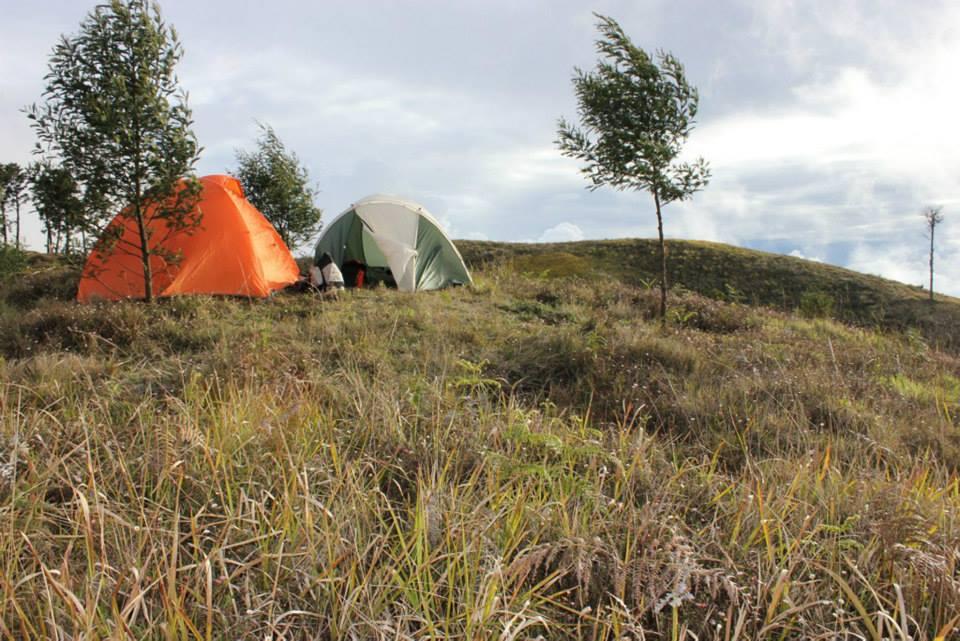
{"points": [[528, 457], [735, 274]]}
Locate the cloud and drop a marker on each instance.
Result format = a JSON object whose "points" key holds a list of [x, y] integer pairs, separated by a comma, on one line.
{"points": [[902, 264], [561, 233], [796, 253]]}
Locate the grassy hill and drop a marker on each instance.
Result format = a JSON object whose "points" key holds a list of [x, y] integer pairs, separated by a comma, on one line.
{"points": [[735, 274], [530, 457]]}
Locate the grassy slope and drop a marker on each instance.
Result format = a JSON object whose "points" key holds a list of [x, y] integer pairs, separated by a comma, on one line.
{"points": [[744, 275], [528, 456]]}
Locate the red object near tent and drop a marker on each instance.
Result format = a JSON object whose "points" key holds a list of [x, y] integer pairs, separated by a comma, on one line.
{"points": [[235, 251]]}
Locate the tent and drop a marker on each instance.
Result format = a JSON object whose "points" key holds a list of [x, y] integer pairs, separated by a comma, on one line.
{"points": [[235, 251], [394, 241]]}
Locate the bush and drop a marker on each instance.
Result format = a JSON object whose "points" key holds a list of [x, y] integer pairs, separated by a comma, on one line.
{"points": [[12, 261], [57, 282], [699, 312], [816, 304]]}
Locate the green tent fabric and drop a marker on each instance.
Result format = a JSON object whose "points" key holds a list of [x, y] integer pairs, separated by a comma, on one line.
{"points": [[386, 233]]}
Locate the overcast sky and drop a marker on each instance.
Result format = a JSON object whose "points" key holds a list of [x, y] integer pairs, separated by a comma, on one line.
{"points": [[828, 125]]}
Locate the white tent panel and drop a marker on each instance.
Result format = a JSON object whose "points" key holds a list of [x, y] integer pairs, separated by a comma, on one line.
{"points": [[394, 226], [389, 219], [402, 260]]}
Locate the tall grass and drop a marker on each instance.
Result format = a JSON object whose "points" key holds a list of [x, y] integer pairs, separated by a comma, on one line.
{"points": [[529, 458]]}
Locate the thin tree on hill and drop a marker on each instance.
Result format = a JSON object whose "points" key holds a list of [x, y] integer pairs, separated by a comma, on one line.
{"points": [[278, 185], [115, 116], [933, 217], [636, 114]]}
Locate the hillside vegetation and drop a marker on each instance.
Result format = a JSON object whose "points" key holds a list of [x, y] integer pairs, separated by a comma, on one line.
{"points": [[530, 457], [739, 275]]}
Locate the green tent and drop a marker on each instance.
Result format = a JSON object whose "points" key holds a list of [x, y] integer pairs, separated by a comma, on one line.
{"points": [[395, 241]]}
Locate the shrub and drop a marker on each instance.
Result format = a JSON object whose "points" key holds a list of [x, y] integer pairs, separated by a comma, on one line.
{"points": [[12, 261], [57, 282], [816, 304]]}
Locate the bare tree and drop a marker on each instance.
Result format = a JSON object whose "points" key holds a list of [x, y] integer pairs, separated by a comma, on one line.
{"points": [[933, 216]]}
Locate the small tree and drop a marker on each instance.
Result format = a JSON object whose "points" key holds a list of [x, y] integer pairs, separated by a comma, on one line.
{"points": [[277, 185], [636, 115], [116, 117], [13, 185], [933, 217]]}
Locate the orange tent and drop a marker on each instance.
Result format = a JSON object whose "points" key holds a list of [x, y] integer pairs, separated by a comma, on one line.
{"points": [[235, 251]]}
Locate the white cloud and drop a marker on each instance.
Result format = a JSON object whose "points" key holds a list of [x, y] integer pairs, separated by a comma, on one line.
{"points": [[902, 264], [514, 166], [561, 233], [887, 111], [796, 253]]}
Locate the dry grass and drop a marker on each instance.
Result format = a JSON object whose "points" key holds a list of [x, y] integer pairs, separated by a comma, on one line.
{"points": [[528, 458]]}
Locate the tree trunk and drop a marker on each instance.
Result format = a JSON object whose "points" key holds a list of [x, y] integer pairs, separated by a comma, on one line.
{"points": [[144, 249], [932, 226], [138, 176], [663, 263], [3, 223], [16, 203]]}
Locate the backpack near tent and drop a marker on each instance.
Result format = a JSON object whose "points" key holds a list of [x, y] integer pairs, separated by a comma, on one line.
{"points": [[389, 240], [235, 251]]}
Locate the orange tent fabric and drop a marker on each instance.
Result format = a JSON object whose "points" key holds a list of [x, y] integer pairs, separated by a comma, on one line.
{"points": [[235, 251]]}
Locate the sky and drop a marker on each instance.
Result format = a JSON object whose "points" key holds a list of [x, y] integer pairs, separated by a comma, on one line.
{"points": [[829, 125]]}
